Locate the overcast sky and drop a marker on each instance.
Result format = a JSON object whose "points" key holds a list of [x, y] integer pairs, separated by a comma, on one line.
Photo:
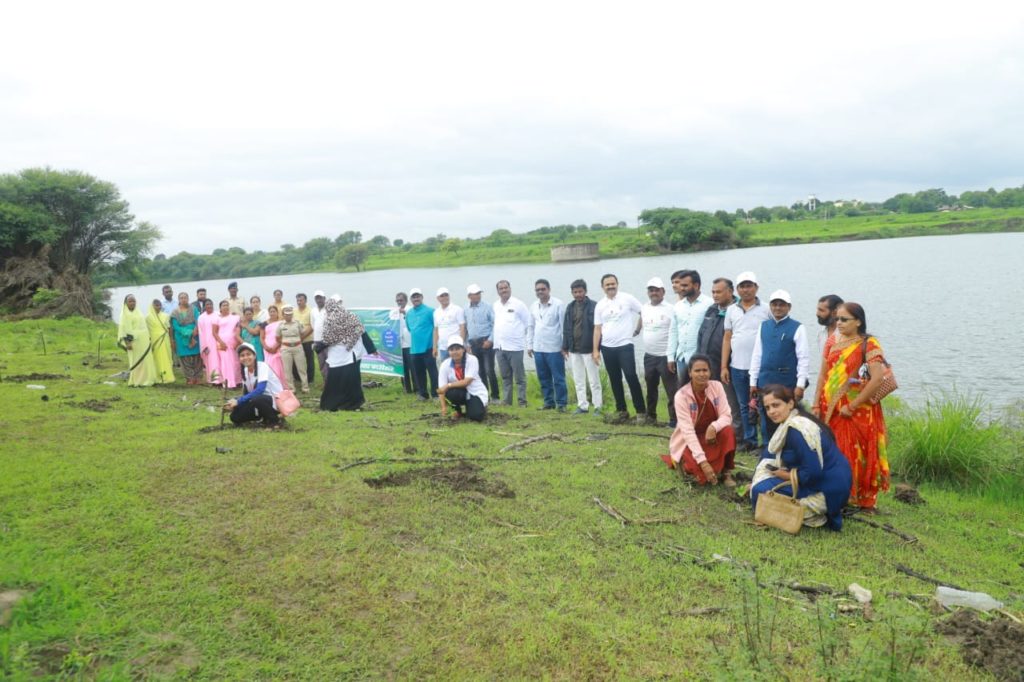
{"points": [[257, 124]]}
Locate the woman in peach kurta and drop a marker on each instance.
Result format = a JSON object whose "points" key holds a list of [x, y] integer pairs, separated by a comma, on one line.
{"points": [[852, 369], [208, 343], [224, 326], [271, 348], [703, 443]]}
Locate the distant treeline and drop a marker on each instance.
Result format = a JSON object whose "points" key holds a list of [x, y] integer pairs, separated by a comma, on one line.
{"points": [[660, 230]]}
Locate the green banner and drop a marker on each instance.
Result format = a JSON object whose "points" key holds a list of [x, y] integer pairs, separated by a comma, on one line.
{"points": [[386, 336]]}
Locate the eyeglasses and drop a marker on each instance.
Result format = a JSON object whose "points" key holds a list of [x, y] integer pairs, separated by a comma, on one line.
{"points": [[844, 319]]}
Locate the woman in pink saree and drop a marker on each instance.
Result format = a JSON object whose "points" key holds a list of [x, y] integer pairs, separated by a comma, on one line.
{"points": [[223, 327], [208, 344], [271, 349]]}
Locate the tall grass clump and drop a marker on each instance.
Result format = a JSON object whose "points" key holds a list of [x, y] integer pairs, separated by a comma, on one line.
{"points": [[948, 442]]}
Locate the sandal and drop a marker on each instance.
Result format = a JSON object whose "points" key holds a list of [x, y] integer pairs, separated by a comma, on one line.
{"points": [[728, 481]]}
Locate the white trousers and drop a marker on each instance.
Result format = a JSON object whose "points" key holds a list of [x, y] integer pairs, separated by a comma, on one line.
{"points": [[583, 369]]}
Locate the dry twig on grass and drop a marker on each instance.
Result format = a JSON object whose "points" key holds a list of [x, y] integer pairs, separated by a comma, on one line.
{"points": [[907, 537], [531, 439], [624, 520], [434, 460], [928, 579]]}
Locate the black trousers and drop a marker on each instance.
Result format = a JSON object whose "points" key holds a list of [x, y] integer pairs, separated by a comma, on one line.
{"points": [[618, 362], [307, 350], [407, 382], [424, 367], [488, 374], [260, 407], [655, 371], [460, 397]]}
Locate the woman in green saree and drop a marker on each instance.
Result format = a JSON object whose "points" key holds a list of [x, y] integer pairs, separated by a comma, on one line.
{"points": [[251, 331], [185, 340], [158, 322]]}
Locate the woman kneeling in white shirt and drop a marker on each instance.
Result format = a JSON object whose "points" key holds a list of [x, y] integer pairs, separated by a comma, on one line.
{"points": [[261, 386], [461, 385]]}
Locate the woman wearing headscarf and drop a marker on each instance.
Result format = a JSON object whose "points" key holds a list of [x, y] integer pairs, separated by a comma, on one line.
{"points": [[185, 340], [343, 332], [158, 322], [133, 336]]}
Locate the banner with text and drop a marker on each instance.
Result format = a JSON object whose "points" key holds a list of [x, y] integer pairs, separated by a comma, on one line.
{"points": [[384, 331]]}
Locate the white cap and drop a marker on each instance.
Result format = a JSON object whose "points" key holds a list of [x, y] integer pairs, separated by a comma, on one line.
{"points": [[747, 276], [656, 283], [455, 340], [442, 291], [336, 297], [415, 291], [474, 289], [284, 309], [319, 292], [780, 295]]}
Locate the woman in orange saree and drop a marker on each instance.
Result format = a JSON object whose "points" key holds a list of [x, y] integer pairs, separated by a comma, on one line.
{"points": [[852, 369]]}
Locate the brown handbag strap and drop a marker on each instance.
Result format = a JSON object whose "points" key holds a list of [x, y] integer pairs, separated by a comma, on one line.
{"points": [[794, 480]]}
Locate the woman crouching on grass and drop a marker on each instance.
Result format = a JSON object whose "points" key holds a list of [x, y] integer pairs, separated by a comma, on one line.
{"points": [[462, 386], [262, 385], [803, 445], [703, 443]]}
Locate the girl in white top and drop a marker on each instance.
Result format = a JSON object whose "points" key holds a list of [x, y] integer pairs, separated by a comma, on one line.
{"points": [[261, 385], [460, 381]]}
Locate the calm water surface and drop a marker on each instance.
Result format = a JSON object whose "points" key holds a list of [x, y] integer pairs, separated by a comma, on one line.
{"points": [[925, 297]]}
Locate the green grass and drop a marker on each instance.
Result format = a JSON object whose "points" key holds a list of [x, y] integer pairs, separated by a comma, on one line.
{"points": [[147, 554]]}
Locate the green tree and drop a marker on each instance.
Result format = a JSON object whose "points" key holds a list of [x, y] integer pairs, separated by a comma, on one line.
{"points": [[353, 255], [348, 237], [761, 214], [452, 246]]}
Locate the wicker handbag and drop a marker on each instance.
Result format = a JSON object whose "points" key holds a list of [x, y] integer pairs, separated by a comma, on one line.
{"points": [[781, 511], [888, 384]]}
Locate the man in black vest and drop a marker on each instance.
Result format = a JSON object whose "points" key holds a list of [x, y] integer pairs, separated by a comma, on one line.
{"points": [[710, 336]]}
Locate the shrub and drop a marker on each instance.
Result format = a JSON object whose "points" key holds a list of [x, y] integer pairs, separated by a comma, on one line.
{"points": [[44, 296], [948, 442]]}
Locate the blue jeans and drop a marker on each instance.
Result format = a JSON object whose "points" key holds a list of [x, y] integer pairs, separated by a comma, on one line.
{"points": [[740, 381], [551, 372]]}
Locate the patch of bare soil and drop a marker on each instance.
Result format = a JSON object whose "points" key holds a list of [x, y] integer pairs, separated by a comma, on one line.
{"points": [[8, 599], [908, 494], [996, 646], [21, 378], [463, 477], [96, 405], [281, 426]]}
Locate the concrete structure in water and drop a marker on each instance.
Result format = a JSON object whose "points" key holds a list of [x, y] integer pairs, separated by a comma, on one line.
{"points": [[570, 252]]}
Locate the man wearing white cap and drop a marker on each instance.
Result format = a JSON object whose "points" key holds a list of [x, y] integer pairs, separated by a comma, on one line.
{"points": [[512, 323], [449, 320], [656, 318], [316, 320], [420, 320], [742, 323], [461, 383], [780, 355], [480, 337], [688, 315]]}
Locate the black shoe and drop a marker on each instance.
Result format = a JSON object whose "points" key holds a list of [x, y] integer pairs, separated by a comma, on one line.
{"points": [[546, 407]]}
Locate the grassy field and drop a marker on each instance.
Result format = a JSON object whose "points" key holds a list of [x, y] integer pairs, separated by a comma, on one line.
{"points": [[623, 242], [145, 543]]}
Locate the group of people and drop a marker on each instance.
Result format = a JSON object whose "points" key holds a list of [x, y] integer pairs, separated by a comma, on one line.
{"points": [[287, 344], [734, 368]]}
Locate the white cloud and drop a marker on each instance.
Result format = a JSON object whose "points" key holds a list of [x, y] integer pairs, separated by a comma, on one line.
{"points": [[269, 123]]}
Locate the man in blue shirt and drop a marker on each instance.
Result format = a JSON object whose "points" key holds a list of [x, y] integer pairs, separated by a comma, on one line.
{"points": [[544, 345], [480, 337], [420, 321]]}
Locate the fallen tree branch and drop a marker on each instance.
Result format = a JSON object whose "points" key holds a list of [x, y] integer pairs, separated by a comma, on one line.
{"points": [[434, 460], [611, 511], [928, 579], [532, 439], [907, 537], [603, 435]]}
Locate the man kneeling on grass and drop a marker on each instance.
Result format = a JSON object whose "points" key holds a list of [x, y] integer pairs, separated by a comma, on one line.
{"points": [[460, 381]]}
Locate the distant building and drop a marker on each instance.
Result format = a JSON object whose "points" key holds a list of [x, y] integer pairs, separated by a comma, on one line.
{"points": [[812, 203], [569, 252]]}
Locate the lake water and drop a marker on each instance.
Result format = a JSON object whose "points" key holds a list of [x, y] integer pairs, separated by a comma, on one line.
{"points": [[924, 297]]}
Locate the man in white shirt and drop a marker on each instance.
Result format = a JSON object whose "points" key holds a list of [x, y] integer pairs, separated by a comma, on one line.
{"points": [[742, 323], [826, 314], [398, 313], [512, 323], [656, 319], [780, 355], [316, 320], [449, 320], [688, 316], [615, 325], [545, 346]]}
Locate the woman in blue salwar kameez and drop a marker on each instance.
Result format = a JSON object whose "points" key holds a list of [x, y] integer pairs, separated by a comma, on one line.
{"points": [[805, 445]]}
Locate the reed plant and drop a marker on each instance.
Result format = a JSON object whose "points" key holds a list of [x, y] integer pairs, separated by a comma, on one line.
{"points": [[949, 442]]}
